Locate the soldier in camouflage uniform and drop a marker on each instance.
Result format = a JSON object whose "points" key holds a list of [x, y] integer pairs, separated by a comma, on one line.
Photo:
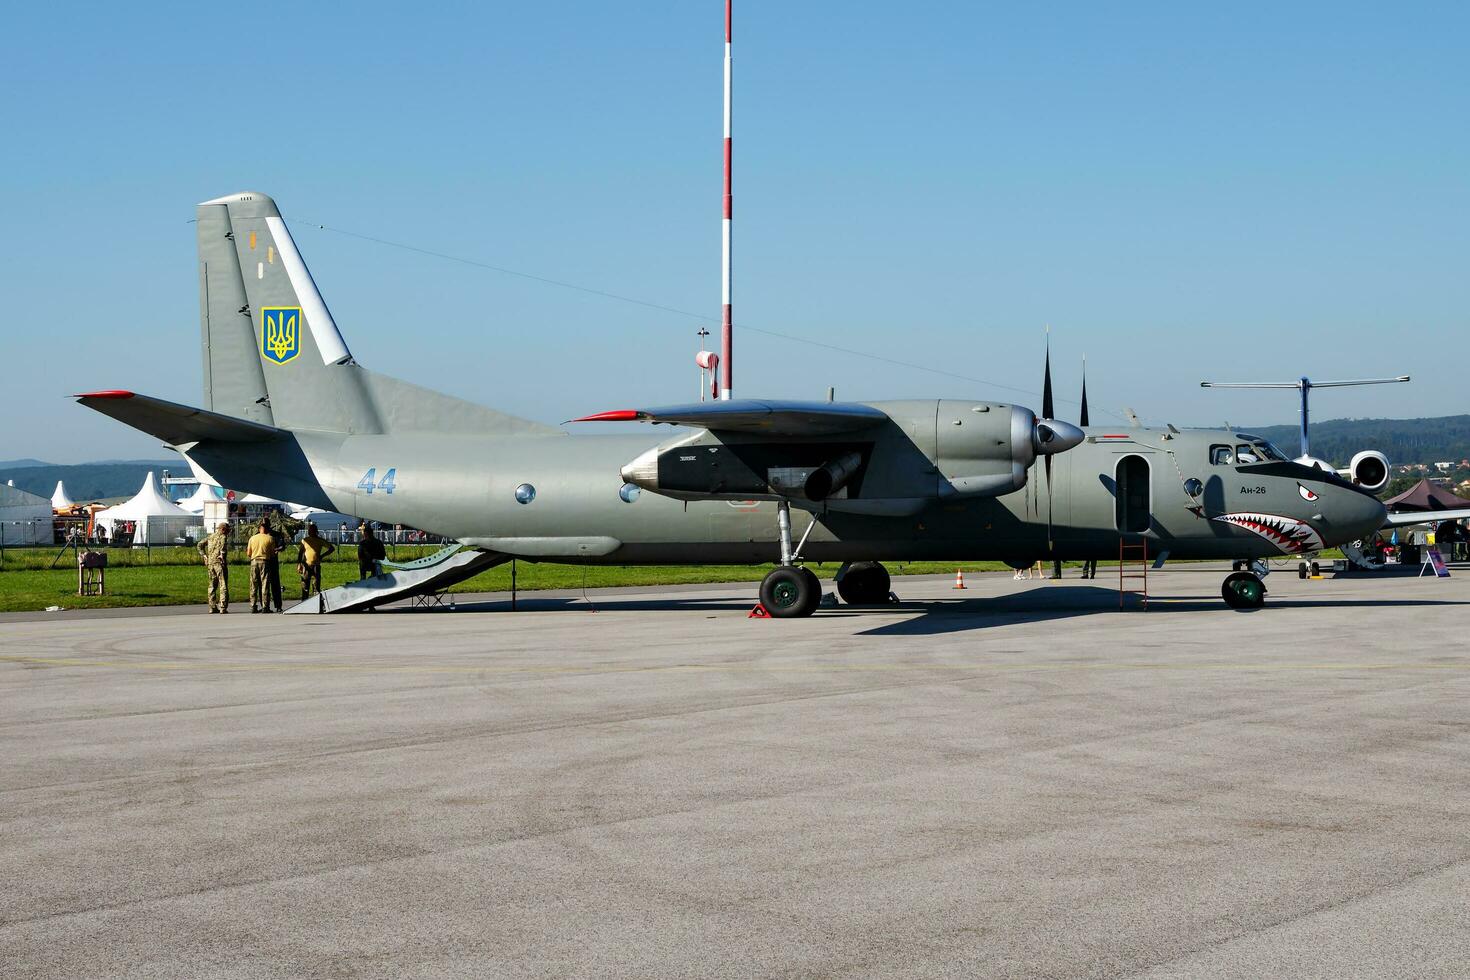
{"points": [[216, 552]]}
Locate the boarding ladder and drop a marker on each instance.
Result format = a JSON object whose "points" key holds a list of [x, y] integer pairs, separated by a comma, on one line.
{"points": [[1132, 570], [394, 581]]}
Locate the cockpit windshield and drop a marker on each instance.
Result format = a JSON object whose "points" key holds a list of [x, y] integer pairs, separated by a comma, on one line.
{"points": [[1255, 451]]}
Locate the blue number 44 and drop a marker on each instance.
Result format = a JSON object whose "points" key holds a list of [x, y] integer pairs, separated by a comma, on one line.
{"points": [[370, 481]]}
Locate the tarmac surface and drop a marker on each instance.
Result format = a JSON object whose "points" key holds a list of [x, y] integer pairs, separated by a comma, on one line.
{"points": [[1015, 780]]}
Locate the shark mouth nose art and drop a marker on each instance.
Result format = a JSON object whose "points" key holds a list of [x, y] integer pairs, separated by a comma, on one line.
{"points": [[1290, 535]]}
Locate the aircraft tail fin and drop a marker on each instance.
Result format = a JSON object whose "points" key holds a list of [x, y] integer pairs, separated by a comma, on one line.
{"points": [[273, 353]]}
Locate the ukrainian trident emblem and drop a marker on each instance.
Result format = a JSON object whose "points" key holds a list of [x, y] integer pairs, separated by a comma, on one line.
{"points": [[280, 334]]}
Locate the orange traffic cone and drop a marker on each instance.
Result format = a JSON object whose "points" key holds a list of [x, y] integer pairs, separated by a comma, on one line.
{"points": [[959, 578]]}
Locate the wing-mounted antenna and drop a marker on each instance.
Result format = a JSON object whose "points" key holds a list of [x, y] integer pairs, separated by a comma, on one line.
{"points": [[1305, 386]]}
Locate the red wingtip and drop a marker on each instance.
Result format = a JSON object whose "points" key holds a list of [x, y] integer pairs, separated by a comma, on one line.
{"points": [[621, 415], [114, 393]]}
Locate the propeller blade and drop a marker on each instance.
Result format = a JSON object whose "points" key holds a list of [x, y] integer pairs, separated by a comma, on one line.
{"points": [[1050, 545], [1047, 434], [1084, 393], [1048, 410]]}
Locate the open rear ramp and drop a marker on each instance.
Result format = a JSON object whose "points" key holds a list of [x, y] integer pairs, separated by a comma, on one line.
{"points": [[398, 581]]}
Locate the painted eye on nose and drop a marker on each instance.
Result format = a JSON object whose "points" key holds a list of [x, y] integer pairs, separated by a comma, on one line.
{"points": [[1306, 494]]}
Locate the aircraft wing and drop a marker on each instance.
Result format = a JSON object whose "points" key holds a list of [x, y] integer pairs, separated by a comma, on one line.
{"points": [[786, 418], [1425, 517], [175, 424]]}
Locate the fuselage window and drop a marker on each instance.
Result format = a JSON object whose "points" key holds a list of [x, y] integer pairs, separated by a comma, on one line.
{"points": [[1221, 456]]}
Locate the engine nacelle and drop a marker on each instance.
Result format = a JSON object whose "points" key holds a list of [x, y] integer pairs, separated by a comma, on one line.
{"points": [[1368, 470]]}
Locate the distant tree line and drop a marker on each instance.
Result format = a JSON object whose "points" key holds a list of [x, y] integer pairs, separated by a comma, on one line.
{"points": [[1401, 440]]}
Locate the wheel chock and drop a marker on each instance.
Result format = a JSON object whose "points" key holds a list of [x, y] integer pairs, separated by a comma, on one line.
{"points": [[759, 612]]}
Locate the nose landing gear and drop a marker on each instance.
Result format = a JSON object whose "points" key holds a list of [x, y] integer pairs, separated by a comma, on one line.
{"points": [[1243, 590]]}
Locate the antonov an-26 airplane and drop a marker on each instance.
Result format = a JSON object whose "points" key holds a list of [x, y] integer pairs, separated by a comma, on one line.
{"points": [[288, 413]]}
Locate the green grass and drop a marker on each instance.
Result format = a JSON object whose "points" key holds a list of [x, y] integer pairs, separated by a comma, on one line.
{"points": [[23, 586], [175, 576]]}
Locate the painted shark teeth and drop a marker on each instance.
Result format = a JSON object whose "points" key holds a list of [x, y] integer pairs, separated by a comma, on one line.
{"points": [[1292, 536]]}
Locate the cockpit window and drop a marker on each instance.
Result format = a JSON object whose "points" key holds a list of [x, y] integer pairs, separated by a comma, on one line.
{"points": [[1269, 451], [1246, 453], [1222, 456]]}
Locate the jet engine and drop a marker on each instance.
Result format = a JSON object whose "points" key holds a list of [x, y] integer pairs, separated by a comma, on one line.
{"points": [[1368, 470]]}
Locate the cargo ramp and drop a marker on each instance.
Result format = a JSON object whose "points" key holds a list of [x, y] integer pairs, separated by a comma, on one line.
{"points": [[396, 581]]}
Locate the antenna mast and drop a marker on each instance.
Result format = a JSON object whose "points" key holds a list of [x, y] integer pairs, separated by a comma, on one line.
{"points": [[726, 268]]}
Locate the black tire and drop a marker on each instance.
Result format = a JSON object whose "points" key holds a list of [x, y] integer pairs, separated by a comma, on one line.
{"points": [[789, 592], [866, 583], [1316, 569], [1301, 570], [1243, 590]]}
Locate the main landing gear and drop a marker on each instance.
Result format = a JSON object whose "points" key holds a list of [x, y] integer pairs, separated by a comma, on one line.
{"points": [[789, 590], [863, 583]]}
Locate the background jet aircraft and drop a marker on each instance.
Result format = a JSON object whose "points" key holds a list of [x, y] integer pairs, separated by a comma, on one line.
{"points": [[290, 414]]}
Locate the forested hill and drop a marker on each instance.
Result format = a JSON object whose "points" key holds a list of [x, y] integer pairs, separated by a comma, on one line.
{"points": [[1401, 440], [92, 481]]}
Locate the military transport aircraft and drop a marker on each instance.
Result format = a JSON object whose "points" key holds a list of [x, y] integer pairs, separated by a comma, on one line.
{"points": [[290, 414]]}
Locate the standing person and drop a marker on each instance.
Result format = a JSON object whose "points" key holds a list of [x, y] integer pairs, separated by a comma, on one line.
{"points": [[314, 549], [1056, 568], [216, 552], [260, 549], [370, 551], [1089, 568], [273, 570]]}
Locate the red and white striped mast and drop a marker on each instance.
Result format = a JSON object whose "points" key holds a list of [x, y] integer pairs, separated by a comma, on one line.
{"points": [[726, 271]]}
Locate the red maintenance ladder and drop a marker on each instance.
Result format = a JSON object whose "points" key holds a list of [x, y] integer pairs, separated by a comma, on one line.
{"points": [[1132, 568]]}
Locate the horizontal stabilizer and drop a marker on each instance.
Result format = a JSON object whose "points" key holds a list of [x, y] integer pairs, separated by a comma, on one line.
{"points": [[173, 423], [787, 418]]}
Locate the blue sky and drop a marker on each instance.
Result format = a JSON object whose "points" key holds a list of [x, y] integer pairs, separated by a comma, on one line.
{"points": [[1243, 191]]}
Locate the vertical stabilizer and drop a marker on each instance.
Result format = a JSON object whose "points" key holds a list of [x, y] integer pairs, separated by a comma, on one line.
{"points": [[273, 353], [234, 382], [299, 351]]}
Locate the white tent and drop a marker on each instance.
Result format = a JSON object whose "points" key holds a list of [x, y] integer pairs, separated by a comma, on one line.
{"points": [[194, 503], [25, 518], [60, 500], [158, 520]]}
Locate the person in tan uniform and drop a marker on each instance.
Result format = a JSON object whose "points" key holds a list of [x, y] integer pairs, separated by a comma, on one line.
{"points": [[260, 549], [314, 548], [216, 552]]}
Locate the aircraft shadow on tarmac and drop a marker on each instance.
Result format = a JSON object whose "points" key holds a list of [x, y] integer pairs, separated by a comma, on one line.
{"points": [[1053, 603], [947, 615]]}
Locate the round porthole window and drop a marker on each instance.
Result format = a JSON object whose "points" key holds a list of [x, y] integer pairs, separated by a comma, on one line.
{"points": [[629, 493], [525, 493], [1193, 487]]}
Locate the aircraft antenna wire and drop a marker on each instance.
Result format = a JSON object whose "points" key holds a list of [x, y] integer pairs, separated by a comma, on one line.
{"points": [[704, 318]]}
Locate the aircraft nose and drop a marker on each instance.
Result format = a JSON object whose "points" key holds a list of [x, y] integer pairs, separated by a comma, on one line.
{"points": [[1355, 515], [1055, 436]]}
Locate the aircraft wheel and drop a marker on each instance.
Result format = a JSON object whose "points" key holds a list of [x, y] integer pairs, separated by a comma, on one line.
{"points": [[1316, 568], [1301, 570], [788, 592], [1242, 590], [865, 584]]}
